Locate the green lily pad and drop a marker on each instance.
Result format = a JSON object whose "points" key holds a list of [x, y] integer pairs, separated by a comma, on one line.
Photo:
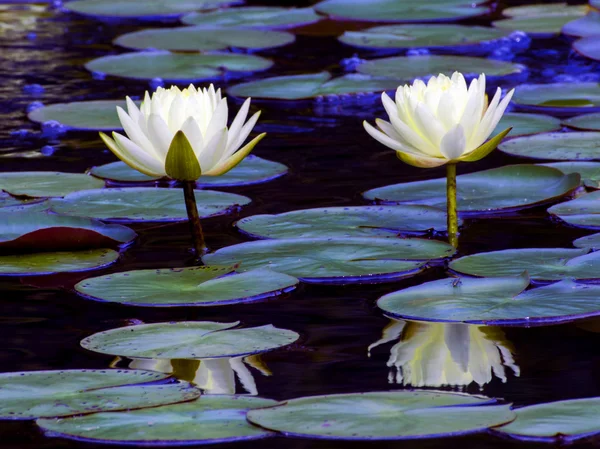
{"points": [[409, 67], [296, 87], [524, 124], [588, 171], [575, 146], [139, 204], [386, 415], [99, 115], [588, 242], [542, 264], [588, 25], [583, 211], [252, 170], [188, 340], [586, 122], [147, 9], [560, 97], [555, 422], [496, 300], [41, 394], [421, 36], [10, 201], [334, 260], [254, 16], [207, 420], [357, 221], [588, 47], [395, 11], [44, 184], [37, 264], [541, 19], [203, 39], [182, 67], [192, 286], [501, 189], [41, 231]]}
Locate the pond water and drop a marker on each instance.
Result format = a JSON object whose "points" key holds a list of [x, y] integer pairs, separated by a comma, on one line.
{"points": [[331, 162]]}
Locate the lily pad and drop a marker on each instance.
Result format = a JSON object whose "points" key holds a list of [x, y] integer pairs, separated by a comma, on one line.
{"points": [[409, 67], [203, 39], [99, 115], [183, 67], [296, 87], [583, 211], [421, 36], [41, 231], [254, 16], [10, 201], [386, 415], [524, 124], [588, 47], [560, 97], [575, 146], [501, 189], [38, 264], [207, 420], [588, 25], [334, 260], [395, 11], [588, 171], [38, 394], [44, 184], [139, 204], [495, 300], [252, 170], [540, 19], [188, 340], [586, 122], [588, 242], [555, 422], [357, 221], [192, 286], [136, 9], [542, 264]]}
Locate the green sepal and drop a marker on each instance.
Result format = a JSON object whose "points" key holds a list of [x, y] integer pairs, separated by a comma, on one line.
{"points": [[486, 148], [181, 163]]}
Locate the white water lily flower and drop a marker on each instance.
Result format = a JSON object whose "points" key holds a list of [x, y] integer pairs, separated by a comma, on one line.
{"points": [[441, 121], [201, 114]]}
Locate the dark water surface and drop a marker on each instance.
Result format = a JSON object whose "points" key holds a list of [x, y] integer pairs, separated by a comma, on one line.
{"points": [[331, 160]]}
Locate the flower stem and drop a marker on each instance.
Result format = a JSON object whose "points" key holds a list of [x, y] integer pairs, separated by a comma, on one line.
{"points": [[451, 202], [194, 219]]}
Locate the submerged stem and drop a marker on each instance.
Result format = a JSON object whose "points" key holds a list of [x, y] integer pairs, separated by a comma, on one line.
{"points": [[451, 202], [194, 219]]}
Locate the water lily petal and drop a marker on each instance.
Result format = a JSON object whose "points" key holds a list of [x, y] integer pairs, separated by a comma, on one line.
{"points": [[160, 134], [224, 166], [192, 132], [238, 122], [133, 131], [453, 143], [243, 134], [136, 157]]}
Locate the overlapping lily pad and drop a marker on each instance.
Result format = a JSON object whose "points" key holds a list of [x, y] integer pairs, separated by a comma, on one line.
{"points": [[386, 415], [188, 340], [144, 204], [182, 67], [41, 231], [555, 422], [495, 300], [589, 171], [98, 115], [192, 286], [575, 146], [540, 19], [254, 16], [395, 11], [524, 124], [357, 221], [43, 184], [37, 264], [209, 419], [588, 25], [334, 260], [147, 9], [38, 394], [10, 201], [572, 98], [588, 47], [583, 211], [500, 189], [296, 87], [409, 67], [542, 264], [421, 36], [586, 122], [203, 39]]}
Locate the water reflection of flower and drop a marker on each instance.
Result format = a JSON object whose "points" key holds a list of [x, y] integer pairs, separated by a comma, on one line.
{"points": [[446, 354]]}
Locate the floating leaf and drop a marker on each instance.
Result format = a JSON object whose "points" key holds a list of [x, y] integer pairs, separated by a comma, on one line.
{"points": [[192, 286], [588, 25], [586, 122], [182, 67], [588, 47], [588, 242], [500, 189], [523, 124], [254, 16], [43, 184], [207, 420], [138, 204], [588, 171], [541, 19], [37, 394], [38, 264], [147, 9], [188, 340], [583, 211], [575, 146], [542, 264], [560, 97], [98, 115], [10, 201], [334, 260], [386, 415]]}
